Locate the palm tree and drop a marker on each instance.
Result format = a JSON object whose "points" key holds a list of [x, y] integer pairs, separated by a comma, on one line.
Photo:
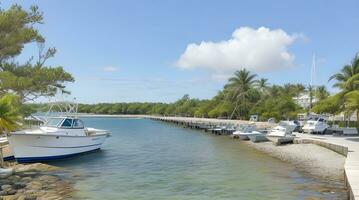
{"points": [[321, 92], [352, 82], [352, 103], [274, 90], [299, 89], [9, 117], [240, 87], [311, 95], [348, 81], [346, 73], [262, 85], [9, 114]]}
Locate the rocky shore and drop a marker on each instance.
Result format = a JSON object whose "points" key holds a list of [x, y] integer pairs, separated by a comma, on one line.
{"points": [[34, 181]]}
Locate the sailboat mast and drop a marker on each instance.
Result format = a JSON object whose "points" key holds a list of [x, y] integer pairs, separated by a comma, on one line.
{"points": [[313, 71]]}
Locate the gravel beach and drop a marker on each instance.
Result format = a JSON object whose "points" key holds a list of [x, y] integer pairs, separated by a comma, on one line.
{"points": [[310, 158]]}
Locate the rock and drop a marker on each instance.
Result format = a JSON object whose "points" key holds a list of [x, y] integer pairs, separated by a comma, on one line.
{"points": [[30, 195], [3, 193], [27, 174], [53, 185], [19, 185], [21, 197], [6, 187], [34, 185], [51, 197], [5, 182], [4, 173], [48, 179], [26, 179], [20, 191], [35, 167], [14, 178], [10, 197], [11, 192]]}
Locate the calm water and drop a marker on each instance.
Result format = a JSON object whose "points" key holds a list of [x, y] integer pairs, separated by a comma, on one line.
{"points": [[147, 159]]}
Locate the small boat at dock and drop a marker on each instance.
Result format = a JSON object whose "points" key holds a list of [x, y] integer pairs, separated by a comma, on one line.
{"points": [[246, 131], [313, 126], [282, 133]]}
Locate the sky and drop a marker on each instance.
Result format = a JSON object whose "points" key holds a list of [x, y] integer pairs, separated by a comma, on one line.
{"points": [[157, 51]]}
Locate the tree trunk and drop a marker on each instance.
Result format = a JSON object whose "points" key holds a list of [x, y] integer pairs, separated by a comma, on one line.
{"points": [[235, 108], [1, 158]]}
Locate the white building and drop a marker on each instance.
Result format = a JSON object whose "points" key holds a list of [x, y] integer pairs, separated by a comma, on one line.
{"points": [[303, 100]]}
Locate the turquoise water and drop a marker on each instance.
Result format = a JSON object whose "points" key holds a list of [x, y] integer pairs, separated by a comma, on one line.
{"points": [[147, 159]]}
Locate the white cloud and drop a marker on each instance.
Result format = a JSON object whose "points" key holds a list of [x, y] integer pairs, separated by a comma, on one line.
{"points": [[258, 50], [110, 69]]}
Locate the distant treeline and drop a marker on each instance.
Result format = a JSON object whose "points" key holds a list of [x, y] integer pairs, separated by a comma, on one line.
{"points": [[274, 101], [245, 94], [241, 97]]}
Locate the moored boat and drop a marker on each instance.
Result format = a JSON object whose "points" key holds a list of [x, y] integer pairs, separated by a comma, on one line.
{"points": [[60, 137], [315, 126], [245, 131], [281, 134]]}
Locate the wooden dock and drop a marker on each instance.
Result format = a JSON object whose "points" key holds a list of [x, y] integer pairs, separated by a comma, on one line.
{"points": [[216, 126]]}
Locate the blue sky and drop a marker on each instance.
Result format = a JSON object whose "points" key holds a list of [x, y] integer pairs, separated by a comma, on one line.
{"points": [[124, 51]]}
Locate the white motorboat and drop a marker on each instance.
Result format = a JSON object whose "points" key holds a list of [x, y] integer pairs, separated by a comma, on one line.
{"points": [[281, 134], [59, 138], [290, 126], [278, 131], [315, 126], [246, 131]]}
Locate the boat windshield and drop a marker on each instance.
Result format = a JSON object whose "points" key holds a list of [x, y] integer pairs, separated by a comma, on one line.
{"points": [[54, 122], [78, 124]]}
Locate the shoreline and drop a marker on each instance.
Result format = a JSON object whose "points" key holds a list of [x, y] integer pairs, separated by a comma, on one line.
{"points": [[309, 158], [35, 181]]}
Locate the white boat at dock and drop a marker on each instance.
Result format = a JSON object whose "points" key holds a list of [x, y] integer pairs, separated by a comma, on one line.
{"points": [[246, 131], [315, 126], [58, 138], [282, 133]]}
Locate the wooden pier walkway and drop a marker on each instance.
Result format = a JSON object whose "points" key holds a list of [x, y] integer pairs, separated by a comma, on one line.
{"points": [[208, 121]]}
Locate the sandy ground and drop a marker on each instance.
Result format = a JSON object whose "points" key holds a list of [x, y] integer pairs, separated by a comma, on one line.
{"points": [[310, 158]]}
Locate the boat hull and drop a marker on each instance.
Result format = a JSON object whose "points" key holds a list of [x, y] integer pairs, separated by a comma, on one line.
{"points": [[5, 149], [278, 140], [41, 147], [7, 153], [243, 137], [258, 138]]}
